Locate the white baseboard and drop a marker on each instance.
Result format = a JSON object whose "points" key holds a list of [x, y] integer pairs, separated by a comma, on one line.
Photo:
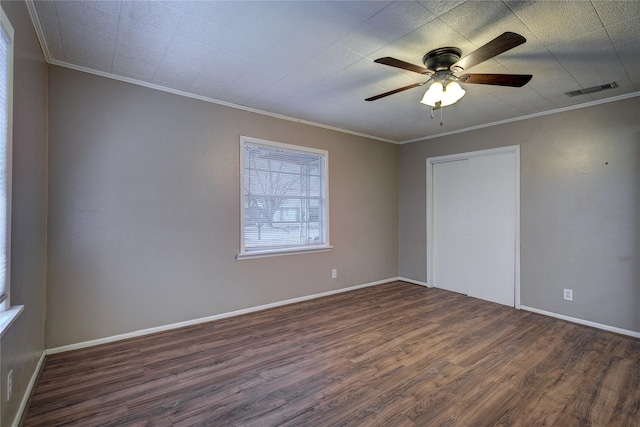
{"points": [[28, 391], [415, 282], [583, 322], [148, 331]]}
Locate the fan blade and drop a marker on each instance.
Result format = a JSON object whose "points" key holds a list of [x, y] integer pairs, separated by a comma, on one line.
{"points": [[513, 80], [391, 92], [403, 65], [495, 47]]}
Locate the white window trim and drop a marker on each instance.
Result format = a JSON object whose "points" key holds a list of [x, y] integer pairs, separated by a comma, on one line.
{"points": [[293, 250], [8, 314]]}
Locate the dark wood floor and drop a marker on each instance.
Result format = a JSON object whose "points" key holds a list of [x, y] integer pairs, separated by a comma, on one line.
{"points": [[392, 355]]}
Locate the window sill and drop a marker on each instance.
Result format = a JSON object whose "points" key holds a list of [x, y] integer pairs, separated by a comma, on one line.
{"points": [[280, 252], [7, 317]]}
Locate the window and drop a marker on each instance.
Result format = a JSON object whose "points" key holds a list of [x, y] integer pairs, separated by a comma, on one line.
{"points": [[6, 118], [284, 208]]}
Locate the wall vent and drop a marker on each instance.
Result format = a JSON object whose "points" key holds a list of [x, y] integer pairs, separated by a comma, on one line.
{"points": [[592, 89]]}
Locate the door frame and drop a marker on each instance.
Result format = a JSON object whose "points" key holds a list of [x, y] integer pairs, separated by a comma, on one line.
{"points": [[462, 156]]}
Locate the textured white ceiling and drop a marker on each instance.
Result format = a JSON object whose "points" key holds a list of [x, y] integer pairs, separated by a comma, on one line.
{"points": [[313, 60]]}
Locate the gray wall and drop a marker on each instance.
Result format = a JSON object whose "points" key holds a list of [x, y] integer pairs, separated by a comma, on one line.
{"points": [[580, 208], [144, 210], [23, 344]]}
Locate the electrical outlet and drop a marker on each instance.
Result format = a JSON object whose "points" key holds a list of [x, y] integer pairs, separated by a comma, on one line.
{"points": [[334, 273], [568, 295], [9, 384]]}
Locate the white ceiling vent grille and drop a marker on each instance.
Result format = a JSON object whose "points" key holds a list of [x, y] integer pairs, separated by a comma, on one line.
{"points": [[592, 89]]}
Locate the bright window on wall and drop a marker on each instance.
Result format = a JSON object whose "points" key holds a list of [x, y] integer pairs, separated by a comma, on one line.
{"points": [[284, 201], [6, 102]]}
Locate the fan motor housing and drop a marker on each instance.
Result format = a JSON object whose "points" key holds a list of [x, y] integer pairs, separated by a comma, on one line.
{"points": [[442, 58]]}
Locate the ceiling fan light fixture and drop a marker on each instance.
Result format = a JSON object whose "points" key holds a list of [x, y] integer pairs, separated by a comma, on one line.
{"points": [[433, 95], [444, 95], [452, 94], [443, 65]]}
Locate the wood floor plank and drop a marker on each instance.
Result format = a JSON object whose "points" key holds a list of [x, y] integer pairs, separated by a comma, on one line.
{"points": [[392, 355]]}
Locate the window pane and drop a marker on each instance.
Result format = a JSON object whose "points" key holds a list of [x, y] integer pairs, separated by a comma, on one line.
{"points": [[4, 51], [284, 190]]}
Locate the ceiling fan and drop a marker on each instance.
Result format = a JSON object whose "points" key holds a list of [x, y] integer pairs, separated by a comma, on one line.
{"points": [[443, 65]]}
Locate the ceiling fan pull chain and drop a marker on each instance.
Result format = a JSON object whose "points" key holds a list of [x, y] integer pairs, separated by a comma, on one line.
{"points": [[441, 122], [431, 113]]}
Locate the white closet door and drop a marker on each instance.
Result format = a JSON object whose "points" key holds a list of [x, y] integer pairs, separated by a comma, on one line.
{"points": [[450, 231], [492, 213], [474, 210]]}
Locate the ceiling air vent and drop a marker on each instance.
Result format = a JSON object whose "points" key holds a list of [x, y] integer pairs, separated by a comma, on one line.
{"points": [[592, 89]]}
